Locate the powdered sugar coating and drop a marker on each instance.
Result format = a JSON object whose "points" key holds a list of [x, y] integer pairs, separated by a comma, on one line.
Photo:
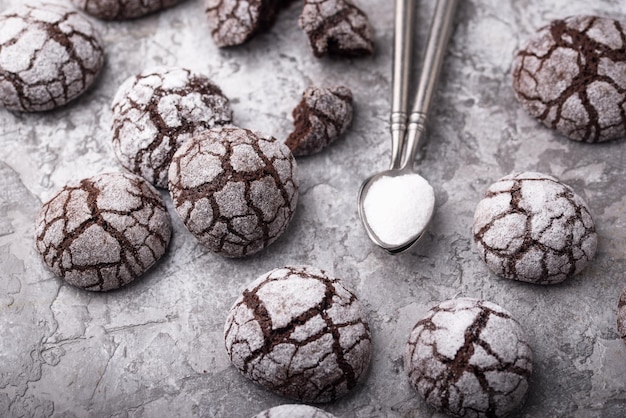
{"points": [[122, 9], [103, 232], [49, 55], [397, 209], [233, 22], [533, 228], [336, 27], [469, 358], [294, 411], [322, 116], [235, 190], [300, 333], [157, 111], [572, 76], [621, 316]]}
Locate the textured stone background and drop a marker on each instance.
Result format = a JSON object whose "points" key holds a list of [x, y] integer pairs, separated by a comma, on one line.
{"points": [[155, 348]]}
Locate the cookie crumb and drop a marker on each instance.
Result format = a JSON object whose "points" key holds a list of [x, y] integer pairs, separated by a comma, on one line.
{"points": [[321, 117]]}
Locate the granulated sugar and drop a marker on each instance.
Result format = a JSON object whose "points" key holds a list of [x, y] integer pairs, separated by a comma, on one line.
{"points": [[399, 208]]}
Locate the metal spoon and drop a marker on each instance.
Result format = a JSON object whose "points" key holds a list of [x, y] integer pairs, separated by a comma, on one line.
{"points": [[396, 205]]}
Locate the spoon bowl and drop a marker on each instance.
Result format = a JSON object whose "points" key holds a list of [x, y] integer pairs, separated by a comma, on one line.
{"points": [[395, 207]]}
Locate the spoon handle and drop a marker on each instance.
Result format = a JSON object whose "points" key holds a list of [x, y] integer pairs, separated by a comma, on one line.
{"points": [[402, 52], [440, 30]]}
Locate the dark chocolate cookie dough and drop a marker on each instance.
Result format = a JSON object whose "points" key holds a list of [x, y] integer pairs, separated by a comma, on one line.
{"points": [[571, 75], [49, 55], [103, 232]]}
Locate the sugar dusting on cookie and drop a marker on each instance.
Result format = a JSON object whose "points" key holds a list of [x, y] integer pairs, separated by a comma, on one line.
{"points": [[49, 55], [301, 333], [571, 76], [156, 111], [103, 232]]}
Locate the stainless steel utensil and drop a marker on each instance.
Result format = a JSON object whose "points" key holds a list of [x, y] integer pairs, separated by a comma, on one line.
{"points": [[406, 139]]}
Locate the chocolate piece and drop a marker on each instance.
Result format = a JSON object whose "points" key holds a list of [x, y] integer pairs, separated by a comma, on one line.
{"points": [[469, 358], [300, 333], [320, 118], [157, 111], [235, 190], [233, 22], [49, 55], [103, 232], [533, 228], [571, 77], [336, 27], [621, 316], [293, 411], [122, 9]]}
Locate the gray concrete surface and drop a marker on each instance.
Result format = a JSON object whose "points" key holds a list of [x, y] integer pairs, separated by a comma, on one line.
{"points": [[156, 349]]}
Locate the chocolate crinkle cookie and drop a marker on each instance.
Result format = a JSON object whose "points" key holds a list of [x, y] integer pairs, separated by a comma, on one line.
{"points": [[234, 189], [337, 27], [49, 55], [571, 77], [122, 9], [157, 111], [233, 22], [299, 332], [621, 316], [469, 358], [320, 118], [293, 411], [533, 228], [103, 232]]}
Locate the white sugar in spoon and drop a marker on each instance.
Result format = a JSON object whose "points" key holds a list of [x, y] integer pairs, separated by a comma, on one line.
{"points": [[396, 205]]}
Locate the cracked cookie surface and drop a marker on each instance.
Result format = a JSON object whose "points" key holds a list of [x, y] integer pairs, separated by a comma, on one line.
{"points": [[300, 333], [235, 190], [621, 316], [320, 118], [469, 358], [157, 111], [123, 9], [294, 411], [103, 232], [533, 228], [336, 27], [571, 76], [49, 55], [233, 22]]}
